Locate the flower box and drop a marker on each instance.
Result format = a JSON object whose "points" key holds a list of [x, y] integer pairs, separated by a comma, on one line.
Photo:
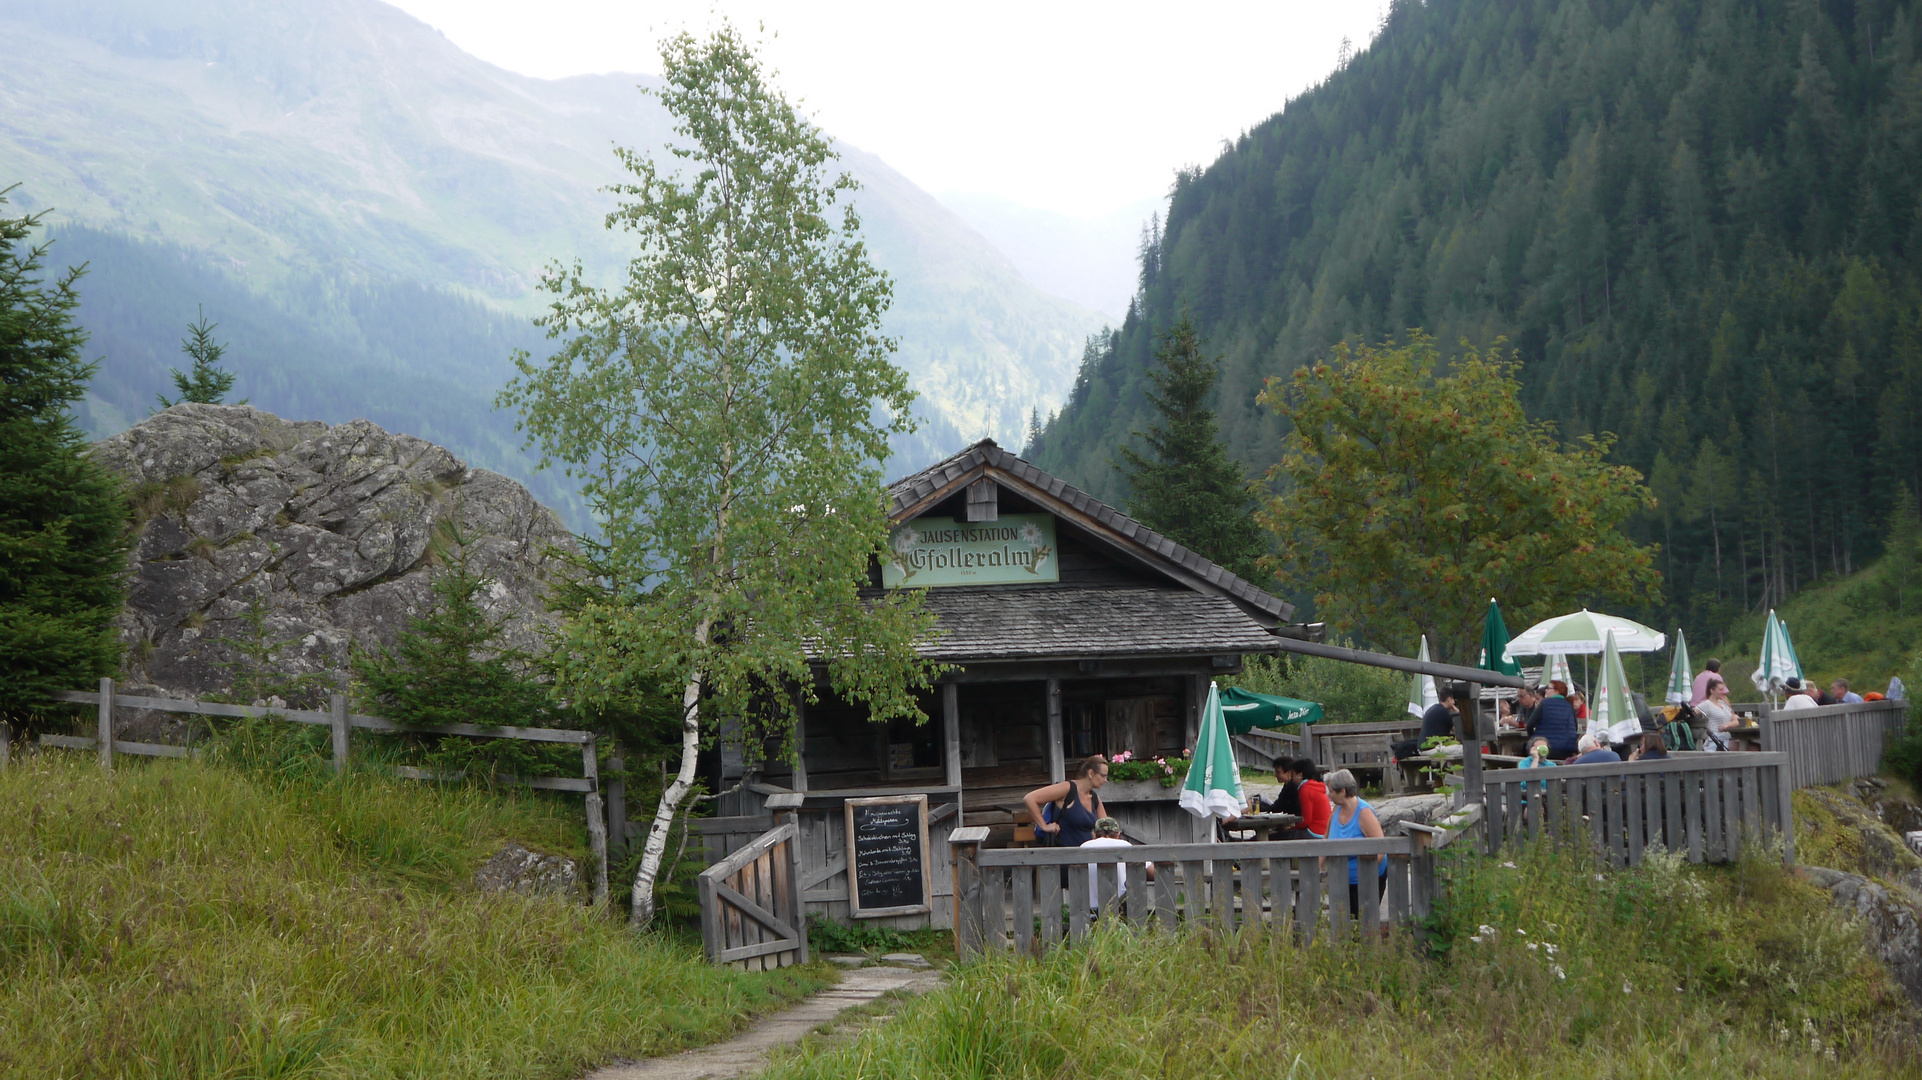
{"points": [[1115, 791]]}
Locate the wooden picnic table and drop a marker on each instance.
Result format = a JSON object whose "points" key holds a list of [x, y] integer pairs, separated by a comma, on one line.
{"points": [[1263, 825], [1745, 737], [1512, 741], [1412, 767]]}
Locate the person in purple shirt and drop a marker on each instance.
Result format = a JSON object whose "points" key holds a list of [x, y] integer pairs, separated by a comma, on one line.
{"points": [[1710, 671]]}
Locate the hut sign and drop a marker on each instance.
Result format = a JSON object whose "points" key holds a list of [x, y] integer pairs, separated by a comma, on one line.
{"points": [[888, 855], [1017, 549]]}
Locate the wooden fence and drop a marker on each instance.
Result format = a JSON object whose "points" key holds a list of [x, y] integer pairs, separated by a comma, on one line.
{"points": [[1014, 899], [106, 700], [1260, 748], [752, 914], [1832, 744], [1703, 803]]}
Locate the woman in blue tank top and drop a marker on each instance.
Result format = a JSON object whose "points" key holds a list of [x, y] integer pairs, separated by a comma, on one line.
{"points": [[1354, 819], [1077, 804]]}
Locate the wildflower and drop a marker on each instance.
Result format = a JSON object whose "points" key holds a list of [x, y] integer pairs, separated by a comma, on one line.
{"points": [[1627, 989], [1532, 946], [1550, 948], [1521, 931], [1558, 972], [1486, 930], [1508, 866], [1476, 938]]}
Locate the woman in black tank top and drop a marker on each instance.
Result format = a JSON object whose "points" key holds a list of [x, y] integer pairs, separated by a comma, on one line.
{"points": [[1077, 804]]}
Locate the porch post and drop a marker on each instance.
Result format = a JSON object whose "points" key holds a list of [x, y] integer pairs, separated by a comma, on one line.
{"points": [[951, 729], [1470, 721], [1057, 769]]}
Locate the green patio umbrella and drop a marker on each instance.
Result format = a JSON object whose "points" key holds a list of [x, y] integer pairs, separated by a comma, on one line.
{"points": [[1244, 710], [1421, 688], [1582, 633], [1495, 643], [1613, 710], [1681, 681], [1778, 663], [1213, 787]]}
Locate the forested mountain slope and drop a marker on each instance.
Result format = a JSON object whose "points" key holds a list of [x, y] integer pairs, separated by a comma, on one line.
{"points": [[1698, 224], [366, 210]]}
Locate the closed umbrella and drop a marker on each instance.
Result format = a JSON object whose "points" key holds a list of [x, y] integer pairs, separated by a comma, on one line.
{"points": [[1613, 709], [1495, 643], [1681, 681], [1778, 663], [1421, 688], [1213, 787], [1582, 632], [1557, 668], [1244, 710]]}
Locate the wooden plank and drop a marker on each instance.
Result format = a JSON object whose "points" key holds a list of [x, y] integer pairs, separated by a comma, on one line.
{"points": [[755, 951], [1336, 886], [1308, 902], [1048, 898], [1021, 879], [1632, 819], [1137, 899], [1165, 887], [1674, 837], [951, 730], [1592, 807], [967, 893], [1239, 849], [1369, 879], [103, 740], [1077, 902], [1193, 892], [1751, 802], [337, 710], [1057, 769], [1497, 800], [994, 910], [1398, 890], [1221, 893], [1785, 807], [1107, 886], [1692, 823], [733, 862]]}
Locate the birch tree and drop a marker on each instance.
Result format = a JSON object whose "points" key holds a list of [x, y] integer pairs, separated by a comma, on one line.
{"points": [[726, 407]]}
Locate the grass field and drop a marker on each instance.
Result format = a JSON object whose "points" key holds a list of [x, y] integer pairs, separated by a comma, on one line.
{"points": [[1844, 627], [1536, 970], [179, 919]]}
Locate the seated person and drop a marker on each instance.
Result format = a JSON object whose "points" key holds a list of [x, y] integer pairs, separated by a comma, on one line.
{"points": [[1315, 807], [1653, 745], [1288, 799], [1555, 721], [1594, 750], [1537, 759], [1801, 695], [1107, 834], [1840, 693]]}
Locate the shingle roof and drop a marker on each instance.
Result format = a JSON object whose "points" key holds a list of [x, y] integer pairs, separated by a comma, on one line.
{"points": [[912, 494], [1000, 623]]}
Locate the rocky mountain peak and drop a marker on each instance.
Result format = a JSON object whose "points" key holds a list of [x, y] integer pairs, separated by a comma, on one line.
{"points": [[309, 538]]}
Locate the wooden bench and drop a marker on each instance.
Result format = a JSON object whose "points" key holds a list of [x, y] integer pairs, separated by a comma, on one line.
{"points": [[1367, 752]]}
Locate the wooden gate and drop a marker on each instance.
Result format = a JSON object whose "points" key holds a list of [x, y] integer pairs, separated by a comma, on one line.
{"points": [[751, 910]]}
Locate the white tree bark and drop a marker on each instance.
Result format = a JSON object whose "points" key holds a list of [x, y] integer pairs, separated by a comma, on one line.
{"points": [[642, 911]]}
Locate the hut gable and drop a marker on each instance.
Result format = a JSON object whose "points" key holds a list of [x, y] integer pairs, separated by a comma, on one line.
{"points": [[1100, 546]]}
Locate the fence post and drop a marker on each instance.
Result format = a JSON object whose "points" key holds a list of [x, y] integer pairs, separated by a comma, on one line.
{"points": [[337, 704], [105, 737], [1784, 792], [596, 820], [6, 742], [1472, 745], [969, 923], [1308, 743], [786, 809], [617, 807]]}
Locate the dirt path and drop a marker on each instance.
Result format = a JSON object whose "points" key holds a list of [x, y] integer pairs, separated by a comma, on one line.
{"points": [[747, 1052]]}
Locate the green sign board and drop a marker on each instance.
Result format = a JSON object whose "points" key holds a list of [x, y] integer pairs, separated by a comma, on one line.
{"points": [[1017, 549]]}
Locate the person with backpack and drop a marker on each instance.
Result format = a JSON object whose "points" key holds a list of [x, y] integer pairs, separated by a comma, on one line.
{"points": [[1073, 805], [1717, 717], [1679, 728]]}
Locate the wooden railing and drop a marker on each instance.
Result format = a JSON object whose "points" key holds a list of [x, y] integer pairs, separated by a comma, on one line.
{"points": [[752, 915], [1832, 744], [1704, 804], [1259, 748], [106, 700], [1014, 898]]}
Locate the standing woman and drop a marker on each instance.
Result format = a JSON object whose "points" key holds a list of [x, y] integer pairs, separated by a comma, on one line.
{"points": [[1077, 804], [1717, 716], [1354, 819]]}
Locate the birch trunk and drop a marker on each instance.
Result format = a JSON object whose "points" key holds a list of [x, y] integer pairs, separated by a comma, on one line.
{"points": [[642, 912]]}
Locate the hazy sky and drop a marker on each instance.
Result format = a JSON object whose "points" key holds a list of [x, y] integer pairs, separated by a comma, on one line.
{"points": [[1078, 108]]}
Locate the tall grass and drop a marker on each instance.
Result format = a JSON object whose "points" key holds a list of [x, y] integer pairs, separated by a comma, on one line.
{"points": [[1667, 970], [180, 919]]}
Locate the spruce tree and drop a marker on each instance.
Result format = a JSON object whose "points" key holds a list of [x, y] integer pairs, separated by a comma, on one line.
{"points": [[206, 382], [63, 519], [1190, 490]]}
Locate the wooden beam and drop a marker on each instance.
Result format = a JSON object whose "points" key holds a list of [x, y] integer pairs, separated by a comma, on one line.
{"points": [[951, 730], [1451, 672], [1057, 769], [1469, 721]]}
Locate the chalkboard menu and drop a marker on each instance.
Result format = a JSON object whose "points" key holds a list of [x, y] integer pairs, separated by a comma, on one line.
{"points": [[888, 856]]}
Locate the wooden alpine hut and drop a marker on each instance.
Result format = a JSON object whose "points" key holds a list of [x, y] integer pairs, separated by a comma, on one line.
{"points": [[1073, 630]]}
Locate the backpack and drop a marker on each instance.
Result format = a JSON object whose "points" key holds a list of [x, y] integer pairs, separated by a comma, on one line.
{"points": [[1679, 732]]}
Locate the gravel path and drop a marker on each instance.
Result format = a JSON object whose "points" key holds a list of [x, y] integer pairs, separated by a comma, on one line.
{"points": [[747, 1052]]}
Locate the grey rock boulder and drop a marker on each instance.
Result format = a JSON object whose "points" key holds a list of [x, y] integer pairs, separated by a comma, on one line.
{"points": [[1891, 921], [1420, 809], [515, 869], [329, 535]]}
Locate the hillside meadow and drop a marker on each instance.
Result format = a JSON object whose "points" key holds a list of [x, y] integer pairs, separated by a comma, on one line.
{"points": [[192, 920]]}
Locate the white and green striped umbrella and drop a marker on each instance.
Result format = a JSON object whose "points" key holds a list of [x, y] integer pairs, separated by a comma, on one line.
{"points": [[1778, 658], [1213, 787], [1613, 709], [1681, 681], [1582, 633], [1557, 668], [1421, 688]]}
